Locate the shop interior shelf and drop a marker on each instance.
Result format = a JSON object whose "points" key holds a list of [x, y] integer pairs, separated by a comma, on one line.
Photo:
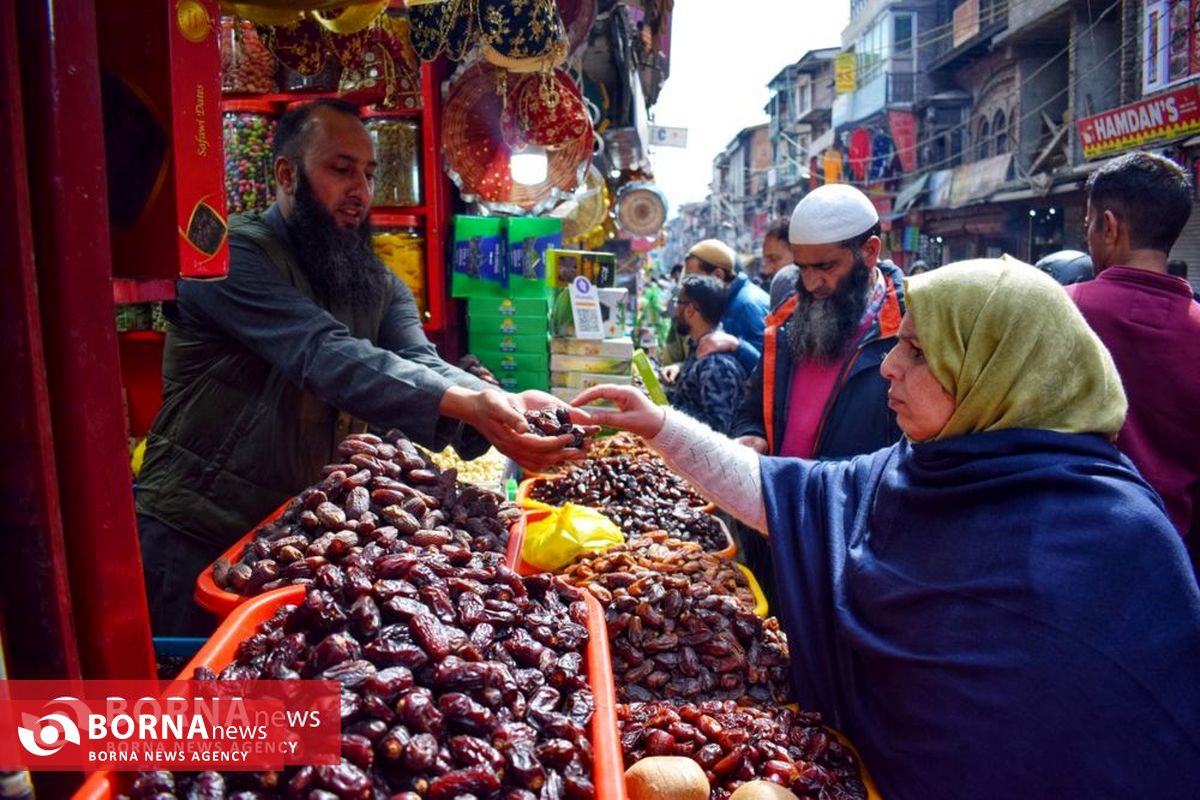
{"points": [[143, 290]]}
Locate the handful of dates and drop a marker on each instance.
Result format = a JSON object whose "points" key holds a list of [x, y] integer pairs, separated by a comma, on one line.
{"points": [[384, 493], [459, 678], [734, 745], [555, 422]]}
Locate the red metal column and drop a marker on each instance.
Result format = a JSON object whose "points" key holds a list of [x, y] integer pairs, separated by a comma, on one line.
{"points": [[65, 140], [35, 600]]}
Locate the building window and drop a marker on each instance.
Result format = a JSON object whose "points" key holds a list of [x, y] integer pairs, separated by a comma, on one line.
{"points": [[1000, 126], [983, 139], [803, 97], [902, 39]]}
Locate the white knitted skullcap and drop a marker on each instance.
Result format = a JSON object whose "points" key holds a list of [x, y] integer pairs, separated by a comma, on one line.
{"points": [[831, 213]]}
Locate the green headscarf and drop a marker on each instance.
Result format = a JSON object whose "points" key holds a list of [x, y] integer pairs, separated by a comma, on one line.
{"points": [[1005, 340]]}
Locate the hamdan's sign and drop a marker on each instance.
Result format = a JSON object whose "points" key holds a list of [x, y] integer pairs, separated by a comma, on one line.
{"points": [[1166, 116]]}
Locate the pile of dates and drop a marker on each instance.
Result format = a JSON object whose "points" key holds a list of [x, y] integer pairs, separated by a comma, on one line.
{"points": [[640, 494], [459, 678], [675, 635], [738, 744], [657, 552], [385, 493], [555, 422]]}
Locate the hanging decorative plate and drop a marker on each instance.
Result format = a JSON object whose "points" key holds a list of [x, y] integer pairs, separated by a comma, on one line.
{"points": [[478, 159], [641, 208], [548, 109], [522, 37], [591, 207], [578, 16]]}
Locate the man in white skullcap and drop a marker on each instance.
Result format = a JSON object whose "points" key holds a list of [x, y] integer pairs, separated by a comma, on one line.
{"points": [[818, 392]]}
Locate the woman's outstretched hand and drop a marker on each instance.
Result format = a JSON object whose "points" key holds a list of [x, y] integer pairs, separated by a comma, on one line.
{"points": [[634, 411]]}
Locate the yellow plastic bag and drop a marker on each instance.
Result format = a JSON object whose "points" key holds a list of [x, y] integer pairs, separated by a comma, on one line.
{"points": [[558, 538]]}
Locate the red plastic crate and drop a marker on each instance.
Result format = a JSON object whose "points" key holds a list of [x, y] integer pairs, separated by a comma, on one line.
{"points": [[608, 767]]}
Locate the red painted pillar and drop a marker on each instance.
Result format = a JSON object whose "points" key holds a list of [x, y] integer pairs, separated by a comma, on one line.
{"points": [[64, 137]]}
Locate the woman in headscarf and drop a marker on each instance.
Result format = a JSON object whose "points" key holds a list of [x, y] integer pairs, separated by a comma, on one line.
{"points": [[996, 606]]}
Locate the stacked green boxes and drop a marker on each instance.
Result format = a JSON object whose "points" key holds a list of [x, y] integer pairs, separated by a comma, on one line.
{"points": [[500, 267], [511, 336]]}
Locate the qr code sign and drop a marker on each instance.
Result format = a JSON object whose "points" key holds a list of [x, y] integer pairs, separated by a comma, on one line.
{"points": [[587, 320]]}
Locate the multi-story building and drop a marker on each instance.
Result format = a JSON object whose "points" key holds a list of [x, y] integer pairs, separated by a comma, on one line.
{"points": [[691, 224], [800, 110], [738, 203]]}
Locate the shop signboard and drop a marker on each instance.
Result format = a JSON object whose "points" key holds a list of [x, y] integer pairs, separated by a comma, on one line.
{"points": [[940, 183], [966, 21], [979, 180], [1166, 116], [844, 69]]}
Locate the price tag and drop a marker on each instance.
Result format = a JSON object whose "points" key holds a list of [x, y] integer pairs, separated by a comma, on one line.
{"points": [[585, 307]]}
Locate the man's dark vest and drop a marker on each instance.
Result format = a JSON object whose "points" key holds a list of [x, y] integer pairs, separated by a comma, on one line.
{"points": [[234, 438]]}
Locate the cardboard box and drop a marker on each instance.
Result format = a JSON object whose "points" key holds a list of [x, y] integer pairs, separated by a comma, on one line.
{"points": [[522, 381], [515, 362], [566, 265], [507, 343], [508, 307], [586, 380], [605, 348], [161, 85], [477, 261], [508, 325], [601, 364], [529, 238]]}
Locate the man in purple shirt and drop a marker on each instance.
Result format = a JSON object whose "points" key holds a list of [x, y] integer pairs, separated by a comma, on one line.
{"points": [[1137, 206]]}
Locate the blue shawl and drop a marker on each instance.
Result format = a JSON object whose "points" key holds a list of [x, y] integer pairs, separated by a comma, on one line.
{"points": [[1005, 614]]}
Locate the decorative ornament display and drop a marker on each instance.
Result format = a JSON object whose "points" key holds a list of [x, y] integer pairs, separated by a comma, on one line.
{"points": [[526, 36], [578, 16], [548, 109], [591, 207], [478, 155], [641, 209]]}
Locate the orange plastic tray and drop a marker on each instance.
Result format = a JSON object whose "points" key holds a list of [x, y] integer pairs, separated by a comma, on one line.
{"points": [[608, 773], [526, 486], [214, 599]]}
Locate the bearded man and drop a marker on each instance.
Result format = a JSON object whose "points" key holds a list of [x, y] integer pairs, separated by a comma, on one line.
{"points": [[818, 392], [309, 338]]}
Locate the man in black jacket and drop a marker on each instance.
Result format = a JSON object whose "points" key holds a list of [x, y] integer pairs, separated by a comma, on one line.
{"points": [[818, 392], [307, 339]]}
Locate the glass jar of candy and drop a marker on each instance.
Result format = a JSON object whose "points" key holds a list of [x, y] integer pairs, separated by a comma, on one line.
{"points": [[247, 67], [400, 245], [248, 130], [397, 140]]}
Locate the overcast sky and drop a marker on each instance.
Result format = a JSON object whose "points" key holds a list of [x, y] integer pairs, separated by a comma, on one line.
{"points": [[722, 55]]}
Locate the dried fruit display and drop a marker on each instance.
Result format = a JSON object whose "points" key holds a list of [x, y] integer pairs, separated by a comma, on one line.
{"points": [[556, 422], [638, 493], [460, 678], [384, 493], [657, 552], [676, 632], [735, 745]]}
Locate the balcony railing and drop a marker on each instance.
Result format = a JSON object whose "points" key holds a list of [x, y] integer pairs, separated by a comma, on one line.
{"points": [[901, 87]]}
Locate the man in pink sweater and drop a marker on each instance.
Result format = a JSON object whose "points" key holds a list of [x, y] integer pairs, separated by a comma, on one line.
{"points": [[1137, 206]]}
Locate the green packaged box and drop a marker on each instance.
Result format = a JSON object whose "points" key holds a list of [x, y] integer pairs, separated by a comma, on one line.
{"points": [[608, 348], [566, 265], [586, 380], [608, 366], [508, 325], [507, 343], [528, 240], [478, 257], [515, 362], [522, 381], [507, 307]]}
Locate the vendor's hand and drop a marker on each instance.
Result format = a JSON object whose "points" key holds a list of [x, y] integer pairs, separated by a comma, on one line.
{"points": [[635, 412], [669, 374], [533, 400], [498, 418], [755, 443], [716, 342]]}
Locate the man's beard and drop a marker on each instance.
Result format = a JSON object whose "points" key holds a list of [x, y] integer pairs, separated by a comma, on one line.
{"points": [[339, 263], [823, 330]]}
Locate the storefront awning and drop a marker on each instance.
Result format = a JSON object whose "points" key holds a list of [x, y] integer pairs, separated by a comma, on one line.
{"points": [[909, 194], [978, 181]]}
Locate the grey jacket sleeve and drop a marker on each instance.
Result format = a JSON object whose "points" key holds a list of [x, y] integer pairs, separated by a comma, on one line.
{"points": [[262, 312]]}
